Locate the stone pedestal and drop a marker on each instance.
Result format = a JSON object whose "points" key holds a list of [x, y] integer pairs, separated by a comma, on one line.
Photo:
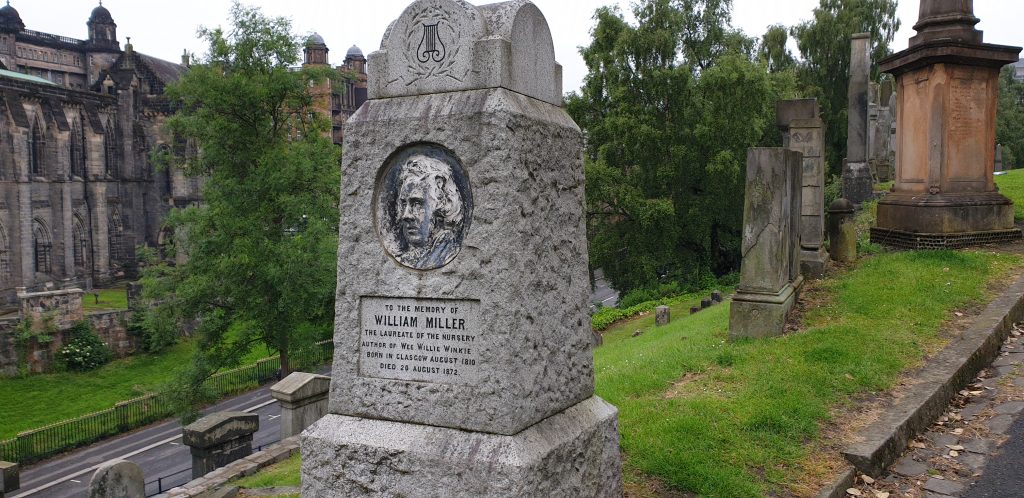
{"points": [[303, 399], [945, 195], [10, 479], [803, 131], [219, 439], [463, 363], [770, 271], [842, 234], [858, 185]]}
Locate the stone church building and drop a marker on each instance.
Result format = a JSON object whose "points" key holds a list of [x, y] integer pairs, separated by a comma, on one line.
{"points": [[78, 120]]}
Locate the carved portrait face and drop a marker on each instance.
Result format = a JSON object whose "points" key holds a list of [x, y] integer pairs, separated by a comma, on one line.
{"points": [[422, 206]]}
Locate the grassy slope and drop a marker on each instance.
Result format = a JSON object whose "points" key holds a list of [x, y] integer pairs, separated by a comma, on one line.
{"points": [[285, 473], [1012, 185], [110, 299], [734, 419], [730, 419], [49, 398]]}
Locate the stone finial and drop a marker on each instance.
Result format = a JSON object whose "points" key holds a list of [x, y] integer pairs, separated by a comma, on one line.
{"points": [[947, 20], [439, 46], [119, 478]]}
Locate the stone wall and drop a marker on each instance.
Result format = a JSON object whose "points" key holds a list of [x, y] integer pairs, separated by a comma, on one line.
{"points": [[110, 327]]}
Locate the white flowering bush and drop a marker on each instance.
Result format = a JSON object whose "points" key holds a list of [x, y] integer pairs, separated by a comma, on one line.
{"points": [[84, 351]]}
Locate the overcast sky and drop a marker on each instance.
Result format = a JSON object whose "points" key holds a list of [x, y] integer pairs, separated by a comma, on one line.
{"points": [[163, 29]]}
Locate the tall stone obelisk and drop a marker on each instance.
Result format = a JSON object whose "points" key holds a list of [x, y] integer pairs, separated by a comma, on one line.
{"points": [[463, 363], [858, 186], [945, 195]]}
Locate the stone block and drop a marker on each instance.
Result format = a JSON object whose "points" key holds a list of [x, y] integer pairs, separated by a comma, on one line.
{"points": [[303, 399], [716, 296], [573, 453], [662, 315], [439, 46], [10, 477], [119, 478], [219, 439]]}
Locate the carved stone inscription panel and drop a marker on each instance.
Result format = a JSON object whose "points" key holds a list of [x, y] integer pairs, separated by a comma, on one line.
{"points": [[421, 340], [423, 206]]}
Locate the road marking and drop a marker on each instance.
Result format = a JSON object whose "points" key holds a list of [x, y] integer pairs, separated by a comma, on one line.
{"points": [[122, 457], [176, 444], [272, 417], [76, 481]]}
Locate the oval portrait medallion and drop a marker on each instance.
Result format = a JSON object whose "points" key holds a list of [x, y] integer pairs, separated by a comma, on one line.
{"points": [[423, 206]]}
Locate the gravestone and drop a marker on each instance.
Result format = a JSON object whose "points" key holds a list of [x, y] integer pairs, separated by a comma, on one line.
{"points": [[770, 271], [858, 186], [463, 363], [303, 399], [947, 87], [219, 439], [881, 156], [117, 478], [804, 131], [662, 315], [842, 233], [999, 158]]}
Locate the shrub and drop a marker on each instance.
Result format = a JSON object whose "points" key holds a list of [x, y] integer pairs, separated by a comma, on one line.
{"points": [[84, 351]]}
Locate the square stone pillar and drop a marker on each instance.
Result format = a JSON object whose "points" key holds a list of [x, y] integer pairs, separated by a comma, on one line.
{"points": [[219, 439], [858, 186], [303, 399], [9, 478], [769, 273], [804, 131], [945, 195], [463, 363]]}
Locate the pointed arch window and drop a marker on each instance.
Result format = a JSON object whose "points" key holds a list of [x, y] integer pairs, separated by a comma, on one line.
{"points": [[116, 237], [112, 149], [36, 144], [80, 242], [5, 256], [42, 248], [77, 151]]}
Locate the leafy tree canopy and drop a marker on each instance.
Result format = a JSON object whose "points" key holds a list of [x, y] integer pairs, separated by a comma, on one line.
{"points": [[259, 252], [670, 106]]}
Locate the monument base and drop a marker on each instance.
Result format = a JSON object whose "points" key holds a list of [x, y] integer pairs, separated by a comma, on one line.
{"points": [[944, 221], [573, 453], [914, 241], [762, 315], [858, 185], [813, 262]]}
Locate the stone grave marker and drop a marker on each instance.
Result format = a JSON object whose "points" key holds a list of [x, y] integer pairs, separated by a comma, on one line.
{"points": [[947, 83], [770, 272], [463, 363], [117, 478], [303, 399], [858, 186], [219, 439], [662, 315], [804, 131]]}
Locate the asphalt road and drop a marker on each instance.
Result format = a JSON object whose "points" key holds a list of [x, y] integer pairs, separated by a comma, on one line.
{"points": [[157, 449], [1002, 477]]}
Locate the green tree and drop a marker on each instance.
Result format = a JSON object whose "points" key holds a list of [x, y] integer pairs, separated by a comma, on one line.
{"points": [[260, 250], [824, 44], [1010, 117], [667, 139], [773, 50]]}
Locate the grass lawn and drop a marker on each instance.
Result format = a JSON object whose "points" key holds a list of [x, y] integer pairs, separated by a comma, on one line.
{"points": [[734, 419], [109, 299], [37, 400], [284, 473], [1012, 185]]}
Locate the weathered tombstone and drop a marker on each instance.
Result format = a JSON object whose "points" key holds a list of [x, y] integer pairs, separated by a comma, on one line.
{"points": [[694, 310], [858, 186], [463, 363], [117, 478], [880, 123], [10, 479], [303, 399], [842, 234], [804, 131], [769, 273], [219, 439], [716, 296], [945, 195], [705, 303], [999, 157], [662, 315]]}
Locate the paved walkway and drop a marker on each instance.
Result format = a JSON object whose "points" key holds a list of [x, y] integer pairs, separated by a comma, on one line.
{"points": [[157, 449]]}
